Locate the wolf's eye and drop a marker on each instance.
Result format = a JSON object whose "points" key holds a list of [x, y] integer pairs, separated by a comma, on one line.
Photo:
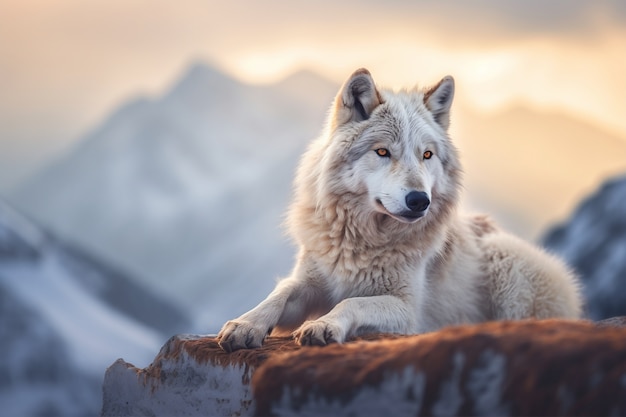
{"points": [[383, 152], [428, 155]]}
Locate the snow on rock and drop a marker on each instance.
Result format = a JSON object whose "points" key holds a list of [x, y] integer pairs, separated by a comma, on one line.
{"points": [[190, 376], [549, 367], [593, 242]]}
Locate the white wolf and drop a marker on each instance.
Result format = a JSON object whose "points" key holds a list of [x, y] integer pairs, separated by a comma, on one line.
{"points": [[381, 245]]}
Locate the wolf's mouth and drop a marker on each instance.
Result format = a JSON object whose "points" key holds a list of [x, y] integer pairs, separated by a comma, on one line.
{"points": [[406, 216]]}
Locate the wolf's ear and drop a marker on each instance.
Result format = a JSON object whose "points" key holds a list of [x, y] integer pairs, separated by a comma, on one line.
{"points": [[438, 100], [356, 100]]}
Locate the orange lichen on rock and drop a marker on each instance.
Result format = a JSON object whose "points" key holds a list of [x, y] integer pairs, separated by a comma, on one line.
{"points": [[549, 367]]}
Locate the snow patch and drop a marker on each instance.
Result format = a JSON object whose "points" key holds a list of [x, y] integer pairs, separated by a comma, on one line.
{"points": [[403, 393], [450, 398], [185, 388], [485, 384]]}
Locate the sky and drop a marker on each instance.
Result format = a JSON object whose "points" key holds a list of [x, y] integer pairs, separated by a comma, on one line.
{"points": [[65, 65]]}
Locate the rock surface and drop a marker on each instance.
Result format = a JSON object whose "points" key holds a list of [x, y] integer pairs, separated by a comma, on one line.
{"points": [[190, 376], [549, 367]]}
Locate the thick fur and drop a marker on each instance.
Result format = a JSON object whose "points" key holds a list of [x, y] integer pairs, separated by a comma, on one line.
{"points": [[370, 263]]}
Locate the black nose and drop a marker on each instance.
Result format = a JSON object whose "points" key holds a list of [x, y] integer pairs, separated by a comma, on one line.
{"points": [[417, 201]]}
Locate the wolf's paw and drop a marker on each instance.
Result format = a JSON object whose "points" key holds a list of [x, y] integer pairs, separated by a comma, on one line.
{"points": [[318, 333], [238, 334]]}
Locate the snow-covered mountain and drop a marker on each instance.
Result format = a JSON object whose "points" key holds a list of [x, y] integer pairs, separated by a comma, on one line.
{"points": [[593, 241], [180, 188], [64, 317]]}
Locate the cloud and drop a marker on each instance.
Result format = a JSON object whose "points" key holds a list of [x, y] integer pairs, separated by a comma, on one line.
{"points": [[511, 17]]}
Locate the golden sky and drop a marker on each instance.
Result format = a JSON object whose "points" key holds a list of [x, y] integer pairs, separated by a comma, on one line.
{"points": [[65, 64]]}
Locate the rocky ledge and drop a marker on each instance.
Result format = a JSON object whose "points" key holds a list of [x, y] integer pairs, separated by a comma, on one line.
{"points": [[548, 367]]}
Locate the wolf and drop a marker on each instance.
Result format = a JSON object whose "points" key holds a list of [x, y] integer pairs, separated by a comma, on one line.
{"points": [[382, 244]]}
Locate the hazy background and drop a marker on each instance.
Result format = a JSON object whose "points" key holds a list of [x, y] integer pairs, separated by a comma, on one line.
{"points": [[65, 65], [147, 150]]}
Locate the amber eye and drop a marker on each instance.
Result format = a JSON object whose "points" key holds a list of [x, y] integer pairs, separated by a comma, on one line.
{"points": [[428, 155], [383, 152]]}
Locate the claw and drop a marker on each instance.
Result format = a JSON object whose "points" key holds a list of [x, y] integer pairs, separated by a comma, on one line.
{"points": [[328, 336], [226, 346]]}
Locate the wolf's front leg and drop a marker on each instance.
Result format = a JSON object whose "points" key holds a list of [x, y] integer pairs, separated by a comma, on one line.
{"points": [[287, 305], [352, 316]]}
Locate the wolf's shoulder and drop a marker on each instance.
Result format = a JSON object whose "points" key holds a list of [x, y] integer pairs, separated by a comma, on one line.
{"points": [[480, 224]]}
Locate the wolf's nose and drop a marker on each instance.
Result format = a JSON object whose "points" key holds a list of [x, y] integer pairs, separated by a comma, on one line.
{"points": [[417, 201]]}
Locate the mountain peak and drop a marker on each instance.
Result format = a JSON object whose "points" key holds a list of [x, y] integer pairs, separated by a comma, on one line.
{"points": [[203, 78], [305, 76], [306, 80]]}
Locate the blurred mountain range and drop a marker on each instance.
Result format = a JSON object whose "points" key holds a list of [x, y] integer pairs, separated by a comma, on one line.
{"points": [[593, 241], [187, 191], [64, 317]]}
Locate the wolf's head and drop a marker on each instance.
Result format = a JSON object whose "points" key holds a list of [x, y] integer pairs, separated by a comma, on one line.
{"points": [[391, 149]]}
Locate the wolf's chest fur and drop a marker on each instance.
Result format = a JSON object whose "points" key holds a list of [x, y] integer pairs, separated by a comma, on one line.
{"points": [[356, 264]]}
